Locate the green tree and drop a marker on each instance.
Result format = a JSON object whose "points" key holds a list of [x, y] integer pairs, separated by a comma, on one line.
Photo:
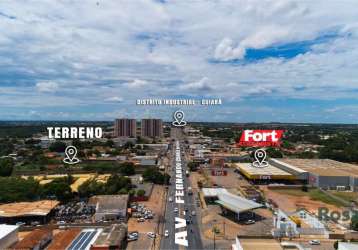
{"points": [[18, 189], [6, 166], [140, 192], [354, 222], [127, 168]]}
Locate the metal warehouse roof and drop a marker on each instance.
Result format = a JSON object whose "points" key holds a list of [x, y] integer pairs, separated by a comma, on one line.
{"points": [[236, 203], [213, 192], [230, 201], [6, 229]]}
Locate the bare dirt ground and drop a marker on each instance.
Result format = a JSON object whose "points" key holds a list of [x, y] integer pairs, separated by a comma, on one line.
{"points": [[156, 205], [291, 203]]}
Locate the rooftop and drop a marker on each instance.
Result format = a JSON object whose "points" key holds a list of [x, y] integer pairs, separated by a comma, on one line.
{"points": [[266, 171], [32, 239], [111, 236], [109, 203], [230, 201], [6, 229], [325, 167], [236, 203], [260, 244], [41, 208], [63, 239]]}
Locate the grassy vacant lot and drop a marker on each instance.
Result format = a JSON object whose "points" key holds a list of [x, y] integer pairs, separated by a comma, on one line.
{"points": [[347, 196], [313, 193]]}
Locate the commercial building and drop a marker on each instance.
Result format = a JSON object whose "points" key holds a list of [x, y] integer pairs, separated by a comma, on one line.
{"points": [[36, 239], [152, 128], [27, 212], [63, 239], [256, 244], [322, 173], [263, 174], [230, 202], [125, 128], [85, 239], [347, 245], [8, 235], [111, 238], [110, 207]]}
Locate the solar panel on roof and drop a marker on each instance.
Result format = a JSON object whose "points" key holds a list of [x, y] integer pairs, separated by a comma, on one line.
{"points": [[82, 241]]}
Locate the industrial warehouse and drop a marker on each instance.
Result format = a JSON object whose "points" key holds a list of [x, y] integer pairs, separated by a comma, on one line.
{"points": [[322, 173]]}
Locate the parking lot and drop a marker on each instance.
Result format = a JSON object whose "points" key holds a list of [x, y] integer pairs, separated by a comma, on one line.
{"points": [[146, 217], [74, 212]]}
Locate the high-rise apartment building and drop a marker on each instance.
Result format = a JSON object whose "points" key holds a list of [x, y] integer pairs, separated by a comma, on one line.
{"points": [[125, 128], [152, 128]]}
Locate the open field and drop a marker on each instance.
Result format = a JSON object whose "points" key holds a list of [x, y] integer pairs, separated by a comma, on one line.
{"points": [[313, 194], [347, 196], [79, 179], [290, 200]]}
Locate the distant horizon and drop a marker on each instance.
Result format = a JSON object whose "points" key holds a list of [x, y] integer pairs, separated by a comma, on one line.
{"points": [[138, 119]]}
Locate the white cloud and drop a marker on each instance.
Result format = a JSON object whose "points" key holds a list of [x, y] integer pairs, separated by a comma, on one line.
{"points": [[47, 87], [137, 49], [202, 85], [136, 83], [114, 99], [226, 50]]}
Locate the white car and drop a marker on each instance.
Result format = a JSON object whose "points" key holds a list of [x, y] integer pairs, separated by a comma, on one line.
{"points": [[314, 242], [166, 233], [170, 199], [151, 235]]}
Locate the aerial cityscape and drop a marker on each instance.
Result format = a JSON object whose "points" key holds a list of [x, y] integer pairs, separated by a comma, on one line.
{"points": [[171, 125]]}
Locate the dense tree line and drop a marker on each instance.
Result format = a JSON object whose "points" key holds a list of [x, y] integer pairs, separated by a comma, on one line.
{"points": [[155, 176], [115, 185]]}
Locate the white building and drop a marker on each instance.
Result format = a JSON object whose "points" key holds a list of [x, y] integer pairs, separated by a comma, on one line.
{"points": [[8, 235]]}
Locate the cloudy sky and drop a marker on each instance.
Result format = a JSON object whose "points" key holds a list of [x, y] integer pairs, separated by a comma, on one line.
{"points": [[286, 61]]}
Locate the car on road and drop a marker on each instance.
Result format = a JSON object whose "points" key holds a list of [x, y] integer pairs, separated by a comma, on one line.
{"points": [[188, 221], [166, 233], [176, 210], [170, 199], [249, 222], [193, 213], [140, 220], [184, 212], [314, 242], [20, 223], [61, 222], [151, 235], [132, 236]]}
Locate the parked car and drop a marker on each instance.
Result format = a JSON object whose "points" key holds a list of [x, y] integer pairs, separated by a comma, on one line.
{"points": [[249, 222], [141, 219], [166, 233], [176, 210], [20, 223], [314, 242], [151, 235], [132, 236]]}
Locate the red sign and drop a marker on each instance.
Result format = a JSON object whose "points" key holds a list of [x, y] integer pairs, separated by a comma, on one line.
{"points": [[261, 138]]}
